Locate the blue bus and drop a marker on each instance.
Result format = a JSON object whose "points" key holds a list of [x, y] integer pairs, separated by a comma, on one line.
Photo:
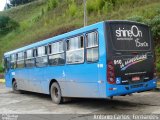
{"points": [[106, 59]]}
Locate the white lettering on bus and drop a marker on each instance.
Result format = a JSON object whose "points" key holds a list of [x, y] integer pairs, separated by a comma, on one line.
{"points": [[139, 44], [125, 64], [134, 32]]}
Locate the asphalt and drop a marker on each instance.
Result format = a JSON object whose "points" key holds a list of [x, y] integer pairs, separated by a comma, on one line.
{"points": [[41, 106]]}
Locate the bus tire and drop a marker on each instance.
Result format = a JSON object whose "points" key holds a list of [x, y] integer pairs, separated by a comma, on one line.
{"points": [[56, 93], [14, 87]]}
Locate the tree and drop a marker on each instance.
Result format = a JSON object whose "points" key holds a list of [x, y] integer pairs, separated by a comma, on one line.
{"points": [[7, 6], [19, 2], [7, 24]]}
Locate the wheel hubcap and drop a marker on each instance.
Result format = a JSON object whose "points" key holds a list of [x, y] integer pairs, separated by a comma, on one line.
{"points": [[56, 93], [15, 86]]}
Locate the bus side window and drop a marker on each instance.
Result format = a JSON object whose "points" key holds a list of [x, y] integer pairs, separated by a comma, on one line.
{"points": [[13, 61], [20, 60], [56, 53], [41, 59], [75, 50], [35, 52], [92, 47], [29, 59]]}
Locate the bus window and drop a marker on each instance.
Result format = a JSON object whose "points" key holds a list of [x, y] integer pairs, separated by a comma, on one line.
{"points": [[41, 59], [75, 50], [13, 61], [6, 64], [56, 53], [30, 60], [35, 53], [20, 60], [92, 47]]}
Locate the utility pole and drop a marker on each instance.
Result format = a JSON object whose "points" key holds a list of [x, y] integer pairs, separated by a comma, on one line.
{"points": [[85, 13]]}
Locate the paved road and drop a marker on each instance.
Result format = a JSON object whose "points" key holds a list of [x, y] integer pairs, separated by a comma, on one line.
{"points": [[32, 103]]}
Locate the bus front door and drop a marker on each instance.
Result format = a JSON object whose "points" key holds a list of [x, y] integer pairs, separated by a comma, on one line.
{"points": [[7, 72]]}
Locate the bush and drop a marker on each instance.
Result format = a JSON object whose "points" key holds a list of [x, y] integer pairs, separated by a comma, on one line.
{"points": [[19, 2], [136, 18], [1, 69], [158, 67], [72, 8], [7, 24], [154, 23], [155, 26], [95, 5], [108, 7], [51, 4], [127, 3]]}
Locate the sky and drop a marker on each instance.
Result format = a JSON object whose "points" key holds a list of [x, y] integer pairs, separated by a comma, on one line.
{"points": [[2, 4]]}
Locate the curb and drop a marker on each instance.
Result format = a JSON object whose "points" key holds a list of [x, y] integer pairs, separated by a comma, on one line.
{"points": [[2, 81]]}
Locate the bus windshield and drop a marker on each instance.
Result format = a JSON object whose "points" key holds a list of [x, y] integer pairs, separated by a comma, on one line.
{"points": [[130, 37]]}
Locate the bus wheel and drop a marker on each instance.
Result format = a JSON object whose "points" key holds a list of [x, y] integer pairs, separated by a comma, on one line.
{"points": [[56, 93], [14, 87]]}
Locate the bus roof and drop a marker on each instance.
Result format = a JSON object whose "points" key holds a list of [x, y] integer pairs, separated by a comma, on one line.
{"points": [[55, 38]]}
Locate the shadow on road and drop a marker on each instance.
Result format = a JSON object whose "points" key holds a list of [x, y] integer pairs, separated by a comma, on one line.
{"points": [[85, 102]]}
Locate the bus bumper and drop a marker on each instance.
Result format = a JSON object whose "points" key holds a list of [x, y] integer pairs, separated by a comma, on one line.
{"points": [[117, 90]]}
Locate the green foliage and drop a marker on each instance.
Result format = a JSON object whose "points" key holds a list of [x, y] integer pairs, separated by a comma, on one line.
{"points": [[95, 5], [73, 9], [136, 18], [7, 6], [154, 23], [43, 11], [158, 67], [51, 4], [155, 26], [7, 24], [108, 7], [1, 69], [19, 2], [121, 2]]}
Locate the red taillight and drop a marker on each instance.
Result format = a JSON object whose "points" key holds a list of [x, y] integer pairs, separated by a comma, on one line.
{"points": [[110, 73]]}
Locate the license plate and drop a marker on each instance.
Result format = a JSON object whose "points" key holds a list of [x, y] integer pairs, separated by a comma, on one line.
{"points": [[135, 78]]}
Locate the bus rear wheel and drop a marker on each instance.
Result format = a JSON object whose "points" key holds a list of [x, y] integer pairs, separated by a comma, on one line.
{"points": [[56, 93], [14, 87]]}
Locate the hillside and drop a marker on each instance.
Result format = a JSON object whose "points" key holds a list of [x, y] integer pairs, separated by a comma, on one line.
{"points": [[42, 19]]}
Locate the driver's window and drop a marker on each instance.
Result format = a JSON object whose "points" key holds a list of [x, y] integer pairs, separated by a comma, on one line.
{"points": [[6, 63]]}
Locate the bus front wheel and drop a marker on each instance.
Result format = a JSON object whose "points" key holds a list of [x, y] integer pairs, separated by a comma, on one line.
{"points": [[14, 87], [56, 93]]}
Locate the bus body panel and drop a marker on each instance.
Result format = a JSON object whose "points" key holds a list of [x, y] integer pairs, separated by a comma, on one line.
{"points": [[80, 80], [102, 81]]}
